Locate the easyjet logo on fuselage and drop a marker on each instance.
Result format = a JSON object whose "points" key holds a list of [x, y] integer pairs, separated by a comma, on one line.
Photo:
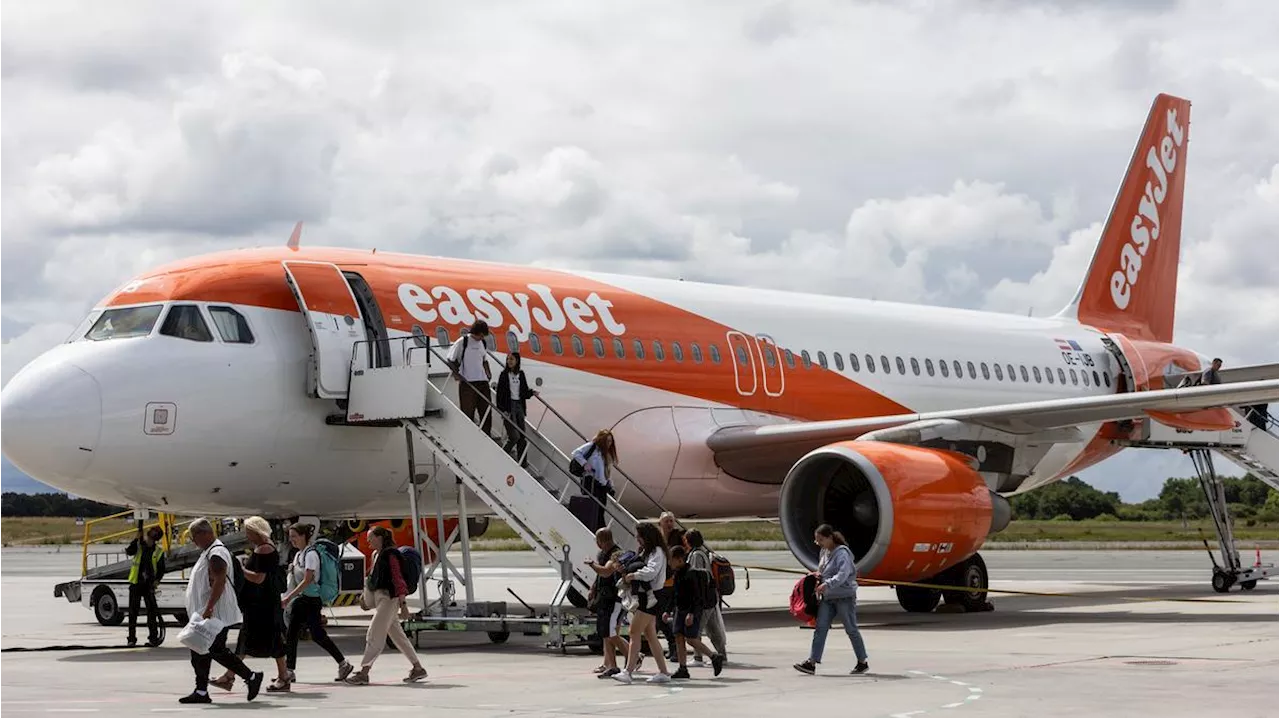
{"points": [[1145, 225], [510, 312]]}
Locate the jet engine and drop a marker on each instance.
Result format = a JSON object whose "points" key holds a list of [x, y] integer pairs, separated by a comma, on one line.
{"points": [[908, 512]]}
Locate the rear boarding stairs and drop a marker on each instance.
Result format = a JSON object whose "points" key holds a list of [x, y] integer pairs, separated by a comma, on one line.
{"points": [[405, 381]]}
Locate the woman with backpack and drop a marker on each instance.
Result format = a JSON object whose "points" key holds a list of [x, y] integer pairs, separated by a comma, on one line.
{"points": [[837, 589], [262, 632], [305, 596], [591, 463], [647, 573], [385, 592]]}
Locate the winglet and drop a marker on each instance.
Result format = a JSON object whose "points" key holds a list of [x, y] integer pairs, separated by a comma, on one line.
{"points": [[296, 237]]}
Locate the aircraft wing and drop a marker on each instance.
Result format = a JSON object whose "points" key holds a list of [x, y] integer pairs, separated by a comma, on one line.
{"points": [[750, 444]]}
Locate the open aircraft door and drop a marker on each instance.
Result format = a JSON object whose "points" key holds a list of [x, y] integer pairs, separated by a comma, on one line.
{"points": [[333, 320]]}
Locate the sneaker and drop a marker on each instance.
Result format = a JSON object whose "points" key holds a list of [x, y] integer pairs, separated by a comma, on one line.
{"points": [[359, 678], [717, 664], [278, 686], [681, 674], [609, 673], [862, 667], [153, 642], [806, 667], [416, 675], [344, 670], [132, 641], [196, 697], [254, 683], [661, 678], [623, 677]]}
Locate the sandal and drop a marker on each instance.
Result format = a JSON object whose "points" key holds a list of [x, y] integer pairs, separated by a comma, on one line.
{"points": [[278, 686], [601, 668], [223, 683]]}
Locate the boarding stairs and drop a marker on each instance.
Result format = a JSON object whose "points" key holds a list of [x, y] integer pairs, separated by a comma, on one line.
{"points": [[1253, 446], [532, 492]]}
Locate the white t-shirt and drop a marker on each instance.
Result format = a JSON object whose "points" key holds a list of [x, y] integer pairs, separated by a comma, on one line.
{"points": [[514, 380], [470, 354], [198, 588], [308, 559]]}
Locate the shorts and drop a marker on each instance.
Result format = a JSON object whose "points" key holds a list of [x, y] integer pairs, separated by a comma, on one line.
{"points": [[693, 630], [608, 616]]}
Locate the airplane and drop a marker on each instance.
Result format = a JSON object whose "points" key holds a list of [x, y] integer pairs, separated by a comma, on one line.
{"points": [[905, 426]]}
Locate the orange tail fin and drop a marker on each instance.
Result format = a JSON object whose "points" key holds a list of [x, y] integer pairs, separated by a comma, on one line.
{"points": [[1133, 280]]}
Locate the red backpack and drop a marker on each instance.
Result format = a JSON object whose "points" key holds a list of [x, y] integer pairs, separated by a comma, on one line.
{"points": [[804, 602]]}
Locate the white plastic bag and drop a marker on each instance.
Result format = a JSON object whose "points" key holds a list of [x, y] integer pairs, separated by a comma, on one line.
{"points": [[200, 633]]}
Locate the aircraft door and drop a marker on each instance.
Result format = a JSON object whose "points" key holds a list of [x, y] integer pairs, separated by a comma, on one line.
{"points": [[772, 370], [743, 358], [333, 320]]}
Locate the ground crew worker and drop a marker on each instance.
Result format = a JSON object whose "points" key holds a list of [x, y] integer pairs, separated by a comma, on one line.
{"points": [[144, 575]]}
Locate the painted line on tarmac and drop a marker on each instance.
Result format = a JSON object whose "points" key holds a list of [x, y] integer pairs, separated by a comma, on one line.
{"points": [[975, 693]]}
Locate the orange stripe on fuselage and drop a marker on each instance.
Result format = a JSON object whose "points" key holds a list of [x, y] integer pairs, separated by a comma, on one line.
{"points": [[433, 292]]}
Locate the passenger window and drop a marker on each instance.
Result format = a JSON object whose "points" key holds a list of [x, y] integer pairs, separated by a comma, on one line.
{"points": [[1095, 378], [1074, 379], [853, 362], [1036, 370], [619, 349], [928, 367], [677, 351], [999, 371], [123, 323], [1023, 369], [955, 364], [578, 347], [822, 359], [714, 351], [442, 336], [805, 359], [973, 374], [535, 343], [1106, 378], [1048, 375], [770, 355], [638, 346], [658, 352], [902, 367], [1084, 377], [1062, 377], [696, 351], [184, 322], [598, 344], [791, 358], [1009, 367], [839, 360], [985, 373], [557, 346], [232, 326], [490, 343], [884, 364], [915, 366], [513, 344], [942, 367], [871, 363], [741, 354]]}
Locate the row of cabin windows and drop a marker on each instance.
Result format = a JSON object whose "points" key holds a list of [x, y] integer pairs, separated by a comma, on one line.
{"points": [[1001, 372]]}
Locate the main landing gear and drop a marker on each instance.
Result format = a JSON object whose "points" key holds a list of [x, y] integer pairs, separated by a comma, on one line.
{"points": [[969, 577]]}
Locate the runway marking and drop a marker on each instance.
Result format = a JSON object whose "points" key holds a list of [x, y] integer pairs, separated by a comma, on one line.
{"points": [[974, 694]]}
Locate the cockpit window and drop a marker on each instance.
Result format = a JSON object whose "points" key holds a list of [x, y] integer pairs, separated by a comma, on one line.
{"points": [[184, 322], [125, 322], [232, 326]]}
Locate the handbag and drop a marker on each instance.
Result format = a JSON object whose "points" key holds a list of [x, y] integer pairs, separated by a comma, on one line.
{"points": [[200, 633], [576, 467]]}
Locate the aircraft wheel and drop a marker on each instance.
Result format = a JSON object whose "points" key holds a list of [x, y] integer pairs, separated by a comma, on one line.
{"points": [[106, 607], [1248, 585], [972, 575], [918, 600], [499, 636], [1222, 581]]}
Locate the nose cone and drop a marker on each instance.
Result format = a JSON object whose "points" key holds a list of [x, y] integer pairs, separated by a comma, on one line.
{"points": [[50, 419]]}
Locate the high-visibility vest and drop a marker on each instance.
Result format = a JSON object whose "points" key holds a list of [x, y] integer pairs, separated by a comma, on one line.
{"points": [[156, 553]]}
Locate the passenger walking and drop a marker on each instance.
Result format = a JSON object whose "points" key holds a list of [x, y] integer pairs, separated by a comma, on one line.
{"points": [[591, 463], [211, 595], [603, 599], [385, 592], [646, 580], [837, 592], [467, 358], [305, 597], [144, 575], [262, 633], [712, 618], [512, 398], [692, 591]]}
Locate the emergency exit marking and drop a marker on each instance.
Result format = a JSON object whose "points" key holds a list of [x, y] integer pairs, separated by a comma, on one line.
{"points": [[511, 480]]}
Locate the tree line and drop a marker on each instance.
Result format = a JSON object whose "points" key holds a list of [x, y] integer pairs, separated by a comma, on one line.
{"points": [[52, 504], [1249, 499]]}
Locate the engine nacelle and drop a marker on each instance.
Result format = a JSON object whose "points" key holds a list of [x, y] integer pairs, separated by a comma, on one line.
{"points": [[907, 512]]}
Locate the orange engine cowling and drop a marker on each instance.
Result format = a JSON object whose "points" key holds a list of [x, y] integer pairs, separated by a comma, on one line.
{"points": [[907, 512]]}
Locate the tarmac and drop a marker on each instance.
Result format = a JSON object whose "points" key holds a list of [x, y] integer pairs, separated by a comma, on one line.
{"points": [[1134, 632]]}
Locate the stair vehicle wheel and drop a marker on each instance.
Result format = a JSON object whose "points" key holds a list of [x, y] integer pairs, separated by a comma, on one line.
{"points": [[499, 636], [182, 618], [1248, 585], [106, 607], [576, 599], [972, 575], [918, 600], [1222, 581]]}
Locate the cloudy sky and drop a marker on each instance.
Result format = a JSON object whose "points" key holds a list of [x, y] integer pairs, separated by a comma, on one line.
{"points": [[955, 153]]}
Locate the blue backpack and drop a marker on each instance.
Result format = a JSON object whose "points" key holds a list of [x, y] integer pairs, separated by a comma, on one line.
{"points": [[327, 581], [411, 567]]}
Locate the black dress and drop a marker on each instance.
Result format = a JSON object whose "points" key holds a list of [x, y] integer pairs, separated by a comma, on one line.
{"points": [[262, 633]]}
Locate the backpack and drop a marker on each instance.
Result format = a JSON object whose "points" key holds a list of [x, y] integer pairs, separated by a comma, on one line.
{"points": [[237, 576], [722, 573], [804, 602], [411, 567], [576, 467], [704, 589], [328, 579]]}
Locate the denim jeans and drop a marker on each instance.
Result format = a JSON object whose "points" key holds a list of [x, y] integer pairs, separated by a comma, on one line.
{"points": [[828, 609]]}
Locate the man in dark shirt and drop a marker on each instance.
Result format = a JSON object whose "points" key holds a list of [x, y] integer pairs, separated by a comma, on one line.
{"points": [[690, 588], [604, 596], [144, 574], [1210, 375]]}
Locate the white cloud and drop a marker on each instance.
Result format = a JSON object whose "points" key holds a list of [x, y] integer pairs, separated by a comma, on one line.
{"points": [[955, 153]]}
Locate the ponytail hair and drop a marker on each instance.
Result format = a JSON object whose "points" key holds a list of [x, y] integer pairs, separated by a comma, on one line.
{"points": [[826, 531], [304, 530]]}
